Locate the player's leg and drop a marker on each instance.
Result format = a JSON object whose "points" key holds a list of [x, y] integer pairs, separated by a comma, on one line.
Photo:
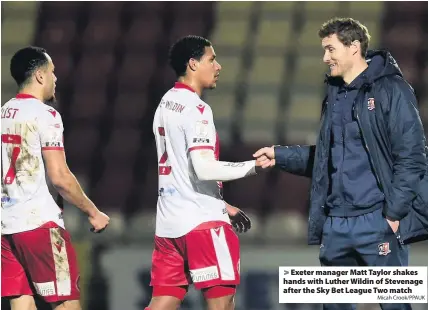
{"points": [[214, 259], [221, 297], [336, 250], [15, 285], [168, 275], [379, 246], [51, 262], [167, 298], [24, 302], [66, 305]]}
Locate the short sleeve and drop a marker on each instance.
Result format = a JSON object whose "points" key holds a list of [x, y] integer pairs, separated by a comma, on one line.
{"points": [[51, 130], [199, 130]]}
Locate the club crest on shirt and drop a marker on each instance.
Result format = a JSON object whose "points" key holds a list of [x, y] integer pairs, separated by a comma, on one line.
{"points": [[384, 248], [370, 104]]}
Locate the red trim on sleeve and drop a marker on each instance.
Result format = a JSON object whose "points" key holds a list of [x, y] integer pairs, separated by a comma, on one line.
{"points": [[183, 86], [25, 96], [53, 148], [203, 147]]}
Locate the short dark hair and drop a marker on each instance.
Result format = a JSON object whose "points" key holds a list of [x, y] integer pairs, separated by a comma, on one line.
{"points": [[184, 49], [25, 62], [347, 31]]}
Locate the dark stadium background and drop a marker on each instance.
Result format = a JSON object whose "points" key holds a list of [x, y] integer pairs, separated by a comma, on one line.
{"points": [[111, 64]]}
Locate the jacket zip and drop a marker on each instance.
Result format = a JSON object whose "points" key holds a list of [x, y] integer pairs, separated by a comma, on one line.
{"points": [[342, 188], [397, 233], [367, 147]]}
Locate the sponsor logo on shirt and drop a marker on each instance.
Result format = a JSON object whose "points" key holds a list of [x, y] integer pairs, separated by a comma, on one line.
{"points": [[53, 144], [53, 112], [201, 129], [201, 108], [168, 191], [7, 202], [201, 140]]}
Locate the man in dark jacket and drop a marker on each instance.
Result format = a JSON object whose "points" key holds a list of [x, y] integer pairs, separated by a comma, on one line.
{"points": [[369, 160]]}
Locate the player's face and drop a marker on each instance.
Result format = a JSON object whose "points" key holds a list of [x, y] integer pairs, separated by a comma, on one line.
{"points": [[49, 80], [209, 69], [337, 56]]}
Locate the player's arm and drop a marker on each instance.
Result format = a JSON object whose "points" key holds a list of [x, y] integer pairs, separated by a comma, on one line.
{"points": [[295, 159], [51, 141], [407, 142], [65, 182], [207, 168], [200, 135]]}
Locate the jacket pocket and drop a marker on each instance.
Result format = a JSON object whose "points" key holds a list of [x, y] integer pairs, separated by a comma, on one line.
{"points": [[414, 227]]}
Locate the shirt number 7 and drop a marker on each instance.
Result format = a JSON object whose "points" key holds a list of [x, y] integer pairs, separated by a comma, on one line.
{"points": [[11, 172]]}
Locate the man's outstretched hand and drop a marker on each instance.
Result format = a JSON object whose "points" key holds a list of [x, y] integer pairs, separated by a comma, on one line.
{"points": [[265, 157], [239, 220]]}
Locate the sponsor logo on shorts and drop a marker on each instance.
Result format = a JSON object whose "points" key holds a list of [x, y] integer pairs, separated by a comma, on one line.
{"points": [[204, 274], [45, 288]]}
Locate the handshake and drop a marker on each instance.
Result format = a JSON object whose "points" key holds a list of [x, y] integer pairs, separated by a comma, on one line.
{"points": [[265, 157]]}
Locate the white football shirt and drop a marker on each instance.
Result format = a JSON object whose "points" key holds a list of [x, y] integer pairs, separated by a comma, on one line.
{"points": [[184, 123], [28, 126]]}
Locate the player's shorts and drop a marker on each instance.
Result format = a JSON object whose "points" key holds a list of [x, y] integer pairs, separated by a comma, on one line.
{"points": [[40, 261], [205, 257]]}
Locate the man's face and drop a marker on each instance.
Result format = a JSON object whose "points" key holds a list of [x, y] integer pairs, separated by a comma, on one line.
{"points": [[49, 80], [337, 56], [208, 69]]}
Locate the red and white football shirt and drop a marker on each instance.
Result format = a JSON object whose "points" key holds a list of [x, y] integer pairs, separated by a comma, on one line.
{"points": [[28, 127], [184, 123]]}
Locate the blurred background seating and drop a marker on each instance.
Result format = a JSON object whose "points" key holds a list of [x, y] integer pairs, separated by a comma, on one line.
{"points": [[111, 64]]}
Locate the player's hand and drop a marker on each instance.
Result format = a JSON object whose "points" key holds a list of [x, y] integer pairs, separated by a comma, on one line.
{"points": [[239, 220], [394, 225], [99, 222], [264, 162], [265, 157]]}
